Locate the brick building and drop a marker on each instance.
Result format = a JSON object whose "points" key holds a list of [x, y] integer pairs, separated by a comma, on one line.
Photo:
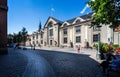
{"points": [[3, 26]]}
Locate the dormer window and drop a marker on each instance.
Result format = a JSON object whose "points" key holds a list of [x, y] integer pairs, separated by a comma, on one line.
{"points": [[50, 24], [65, 24], [78, 21]]}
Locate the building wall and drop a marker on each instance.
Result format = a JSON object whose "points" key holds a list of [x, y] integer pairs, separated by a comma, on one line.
{"points": [[3, 26], [86, 34], [45, 37]]}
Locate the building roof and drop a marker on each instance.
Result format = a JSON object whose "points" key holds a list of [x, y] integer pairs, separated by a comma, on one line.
{"points": [[86, 16], [71, 20], [58, 21]]}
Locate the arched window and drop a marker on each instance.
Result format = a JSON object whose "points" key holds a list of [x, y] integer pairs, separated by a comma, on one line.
{"points": [[50, 24], [78, 21], [65, 24]]}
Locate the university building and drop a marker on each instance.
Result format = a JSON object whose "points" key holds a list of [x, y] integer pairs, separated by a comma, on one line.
{"points": [[71, 33], [3, 26]]}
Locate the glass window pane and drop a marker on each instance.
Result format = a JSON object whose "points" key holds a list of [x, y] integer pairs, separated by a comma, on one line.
{"points": [[77, 29], [65, 40], [95, 38], [78, 39], [65, 31]]}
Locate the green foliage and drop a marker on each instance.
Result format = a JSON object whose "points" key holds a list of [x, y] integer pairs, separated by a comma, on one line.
{"points": [[115, 46], [106, 12], [24, 35], [103, 47], [19, 37]]}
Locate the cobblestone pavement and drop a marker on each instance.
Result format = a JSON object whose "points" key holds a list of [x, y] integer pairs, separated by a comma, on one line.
{"points": [[13, 64], [37, 66], [64, 62]]}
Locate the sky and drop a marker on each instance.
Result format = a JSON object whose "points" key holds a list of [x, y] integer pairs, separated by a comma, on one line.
{"points": [[29, 13]]}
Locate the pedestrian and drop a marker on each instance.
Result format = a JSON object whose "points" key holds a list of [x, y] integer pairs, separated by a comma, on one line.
{"points": [[34, 47], [40, 45], [31, 45], [78, 48]]}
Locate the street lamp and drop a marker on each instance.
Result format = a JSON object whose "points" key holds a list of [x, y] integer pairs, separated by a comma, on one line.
{"points": [[98, 51]]}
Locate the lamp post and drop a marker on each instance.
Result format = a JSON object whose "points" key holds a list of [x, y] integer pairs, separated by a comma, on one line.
{"points": [[98, 51]]}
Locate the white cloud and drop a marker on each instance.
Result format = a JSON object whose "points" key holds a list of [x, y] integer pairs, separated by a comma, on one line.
{"points": [[84, 9], [52, 9]]}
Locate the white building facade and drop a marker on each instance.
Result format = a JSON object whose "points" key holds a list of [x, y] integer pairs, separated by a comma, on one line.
{"points": [[71, 33]]}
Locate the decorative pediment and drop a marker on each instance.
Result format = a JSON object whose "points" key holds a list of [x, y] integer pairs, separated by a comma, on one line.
{"points": [[65, 24], [78, 20], [51, 21]]}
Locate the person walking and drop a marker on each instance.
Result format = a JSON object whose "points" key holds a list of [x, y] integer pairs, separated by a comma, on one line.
{"points": [[78, 48]]}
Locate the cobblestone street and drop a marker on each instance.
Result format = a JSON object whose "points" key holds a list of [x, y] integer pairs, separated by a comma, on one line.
{"points": [[67, 64], [13, 64], [63, 63]]}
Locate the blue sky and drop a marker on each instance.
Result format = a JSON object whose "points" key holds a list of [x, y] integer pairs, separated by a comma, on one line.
{"points": [[28, 13]]}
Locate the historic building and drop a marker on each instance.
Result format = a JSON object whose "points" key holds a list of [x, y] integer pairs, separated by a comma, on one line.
{"points": [[3, 26], [116, 35], [72, 32], [36, 38]]}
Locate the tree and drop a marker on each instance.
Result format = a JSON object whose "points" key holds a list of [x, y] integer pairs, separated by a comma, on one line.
{"points": [[14, 38], [106, 12], [19, 37], [10, 39], [40, 26], [24, 34]]}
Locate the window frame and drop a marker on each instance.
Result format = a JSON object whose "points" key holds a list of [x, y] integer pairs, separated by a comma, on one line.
{"points": [[65, 40], [77, 21], [95, 38], [77, 30], [65, 31], [78, 41], [51, 32]]}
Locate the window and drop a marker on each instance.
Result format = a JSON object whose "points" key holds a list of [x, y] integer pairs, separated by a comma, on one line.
{"points": [[41, 35], [37, 36], [95, 38], [65, 31], [51, 32], [36, 42], [78, 39], [33, 36], [65, 40], [78, 21], [78, 29], [33, 42], [65, 24], [41, 41], [50, 24]]}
